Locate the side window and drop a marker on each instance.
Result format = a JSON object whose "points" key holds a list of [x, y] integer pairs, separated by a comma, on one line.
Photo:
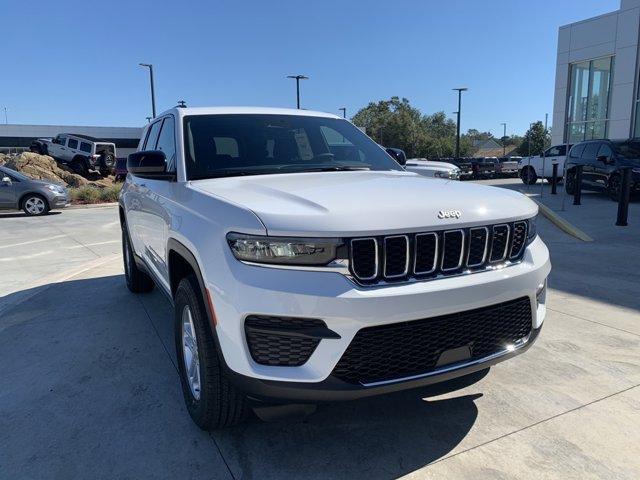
{"points": [[73, 143], [590, 150], [227, 146], [152, 137], [605, 151], [553, 152], [60, 140], [85, 147], [577, 150], [167, 143]]}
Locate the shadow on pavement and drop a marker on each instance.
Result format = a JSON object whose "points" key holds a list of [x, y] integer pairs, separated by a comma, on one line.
{"points": [[100, 380], [17, 214]]}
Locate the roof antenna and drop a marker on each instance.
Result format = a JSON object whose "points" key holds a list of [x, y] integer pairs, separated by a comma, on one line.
{"points": [[182, 104]]}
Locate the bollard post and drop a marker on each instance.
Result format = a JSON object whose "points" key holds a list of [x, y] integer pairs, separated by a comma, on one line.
{"points": [[554, 179], [623, 199], [578, 188]]}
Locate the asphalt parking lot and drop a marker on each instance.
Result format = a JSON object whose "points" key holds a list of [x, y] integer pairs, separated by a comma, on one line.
{"points": [[89, 386]]}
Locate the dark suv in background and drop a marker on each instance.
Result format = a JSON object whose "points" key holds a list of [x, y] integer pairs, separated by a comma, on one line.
{"points": [[601, 162]]}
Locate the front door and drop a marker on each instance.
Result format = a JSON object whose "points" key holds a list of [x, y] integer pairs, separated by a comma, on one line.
{"points": [[603, 166], [7, 191], [588, 160]]}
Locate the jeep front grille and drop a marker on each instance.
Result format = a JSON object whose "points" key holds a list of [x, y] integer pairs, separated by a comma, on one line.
{"points": [[426, 255]]}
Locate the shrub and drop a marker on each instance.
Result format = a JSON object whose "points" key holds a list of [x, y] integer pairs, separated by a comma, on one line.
{"points": [[85, 194], [110, 194]]}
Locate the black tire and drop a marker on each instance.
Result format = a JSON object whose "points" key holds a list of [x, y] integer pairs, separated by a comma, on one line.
{"points": [[570, 183], [35, 205], [137, 280], [614, 187], [219, 404], [79, 166], [528, 175]]}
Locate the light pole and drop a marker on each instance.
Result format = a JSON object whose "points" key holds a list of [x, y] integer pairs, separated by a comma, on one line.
{"points": [[504, 140], [297, 79], [459, 90], [344, 112], [6, 119], [153, 93]]}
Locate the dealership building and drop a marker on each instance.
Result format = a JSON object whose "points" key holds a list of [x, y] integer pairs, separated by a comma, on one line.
{"points": [[596, 91], [15, 138]]}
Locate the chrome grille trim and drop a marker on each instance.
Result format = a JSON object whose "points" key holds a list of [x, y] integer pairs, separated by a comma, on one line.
{"points": [[435, 253], [406, 260], [486, 246], [506, 244], [377, 267], [444, 249]]}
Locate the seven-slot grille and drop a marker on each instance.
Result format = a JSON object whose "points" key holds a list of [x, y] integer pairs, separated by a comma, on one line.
{"points": [[427, 254]]}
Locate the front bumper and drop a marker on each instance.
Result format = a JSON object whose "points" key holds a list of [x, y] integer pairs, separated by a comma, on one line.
{"points": [[347, 308]]}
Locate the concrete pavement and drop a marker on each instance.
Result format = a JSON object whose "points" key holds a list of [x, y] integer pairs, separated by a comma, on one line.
{"points": [[89, 389]]}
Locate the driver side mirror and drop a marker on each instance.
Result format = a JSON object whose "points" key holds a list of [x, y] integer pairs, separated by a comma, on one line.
{"points": [[398, 155], [152, 163], [6, 181]]}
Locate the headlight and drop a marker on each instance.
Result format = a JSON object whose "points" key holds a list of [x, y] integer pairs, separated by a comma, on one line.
{"points": [[55, 188], [532, 229], [284, 251], [441, 174]]}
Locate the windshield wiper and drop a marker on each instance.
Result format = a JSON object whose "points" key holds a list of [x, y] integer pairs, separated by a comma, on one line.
{"points": [[335, 168]]}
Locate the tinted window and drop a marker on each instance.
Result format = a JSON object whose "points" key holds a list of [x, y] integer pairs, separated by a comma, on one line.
{"points": [[85, 147], [167, 143], [630, 149], [605, 151], [60, 140], [222, 145], [152, 137], [590, 151], [73, 143], [576, 151]]}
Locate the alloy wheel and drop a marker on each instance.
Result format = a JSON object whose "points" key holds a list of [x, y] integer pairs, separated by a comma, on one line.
{"points": [[190, 353], [35, 205]]}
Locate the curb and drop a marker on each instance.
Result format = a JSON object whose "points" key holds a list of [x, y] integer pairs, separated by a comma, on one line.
{"points": [[92, 205], [561, 223]]}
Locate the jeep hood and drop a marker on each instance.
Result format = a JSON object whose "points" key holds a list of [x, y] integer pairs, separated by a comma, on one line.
{"points": [[365, 202]]}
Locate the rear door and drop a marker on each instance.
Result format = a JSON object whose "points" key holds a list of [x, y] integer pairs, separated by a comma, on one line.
{"points": [[588, 160]]}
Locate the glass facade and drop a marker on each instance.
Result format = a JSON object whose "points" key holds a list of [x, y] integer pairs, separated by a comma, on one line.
{"points": [[588, 102], [636, 133]]}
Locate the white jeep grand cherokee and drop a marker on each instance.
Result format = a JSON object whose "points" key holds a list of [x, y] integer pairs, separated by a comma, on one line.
{"points": [[305, 265]]}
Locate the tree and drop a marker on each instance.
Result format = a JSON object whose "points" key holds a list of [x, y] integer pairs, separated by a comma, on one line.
{"points": [[535, 140]]}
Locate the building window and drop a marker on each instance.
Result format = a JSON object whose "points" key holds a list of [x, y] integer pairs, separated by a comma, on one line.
{"points": [[589, 93], [636, 127]]}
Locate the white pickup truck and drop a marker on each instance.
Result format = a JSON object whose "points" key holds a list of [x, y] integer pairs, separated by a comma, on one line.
{"points": [[530, 169], [304, 265]]}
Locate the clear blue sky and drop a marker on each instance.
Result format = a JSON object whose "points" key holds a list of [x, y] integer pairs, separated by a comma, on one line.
{"points": [[76, 62]]}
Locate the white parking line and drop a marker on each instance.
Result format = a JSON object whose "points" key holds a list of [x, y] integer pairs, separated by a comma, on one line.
{"points": [[92, 244], [29, 242], [26, 257]]}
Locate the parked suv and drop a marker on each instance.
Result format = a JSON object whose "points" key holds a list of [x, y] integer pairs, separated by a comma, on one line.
{"points": [[81, 152], [532, 168], [601, 162], [305, 265]]}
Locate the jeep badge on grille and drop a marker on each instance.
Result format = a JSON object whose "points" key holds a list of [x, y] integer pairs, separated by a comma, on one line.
{"points": [[449, 214]]}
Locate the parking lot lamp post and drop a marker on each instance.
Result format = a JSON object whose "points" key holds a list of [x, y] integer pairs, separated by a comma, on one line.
{"points": [[344, 112], [297, 79], [459, 90], [153, 93], [504, 139]]}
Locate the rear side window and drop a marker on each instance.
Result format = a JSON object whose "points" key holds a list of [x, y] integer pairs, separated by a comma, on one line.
{"points": [[152, 137], [85, 147], [167, 143], [577, 150], [73, 143], [590, 151]]}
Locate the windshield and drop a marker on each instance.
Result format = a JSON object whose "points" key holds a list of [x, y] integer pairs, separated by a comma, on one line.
{"points": [[13, 173], [630, 149], [229, 145]]}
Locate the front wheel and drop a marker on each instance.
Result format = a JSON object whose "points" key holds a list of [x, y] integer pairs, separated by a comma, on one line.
{"points": [[570, 183], [528, 176], [212, 401], [35, 205], [137, 280]]}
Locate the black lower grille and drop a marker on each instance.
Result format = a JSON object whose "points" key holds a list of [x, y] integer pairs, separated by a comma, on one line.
{"points": [[404, 349], [277, 341]]}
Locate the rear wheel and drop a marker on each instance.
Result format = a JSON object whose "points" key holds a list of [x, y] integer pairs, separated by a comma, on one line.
{"points": [[35, 205], [137, 280], [79, 166], [614, 187], [212, 401], [528, 175]]}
